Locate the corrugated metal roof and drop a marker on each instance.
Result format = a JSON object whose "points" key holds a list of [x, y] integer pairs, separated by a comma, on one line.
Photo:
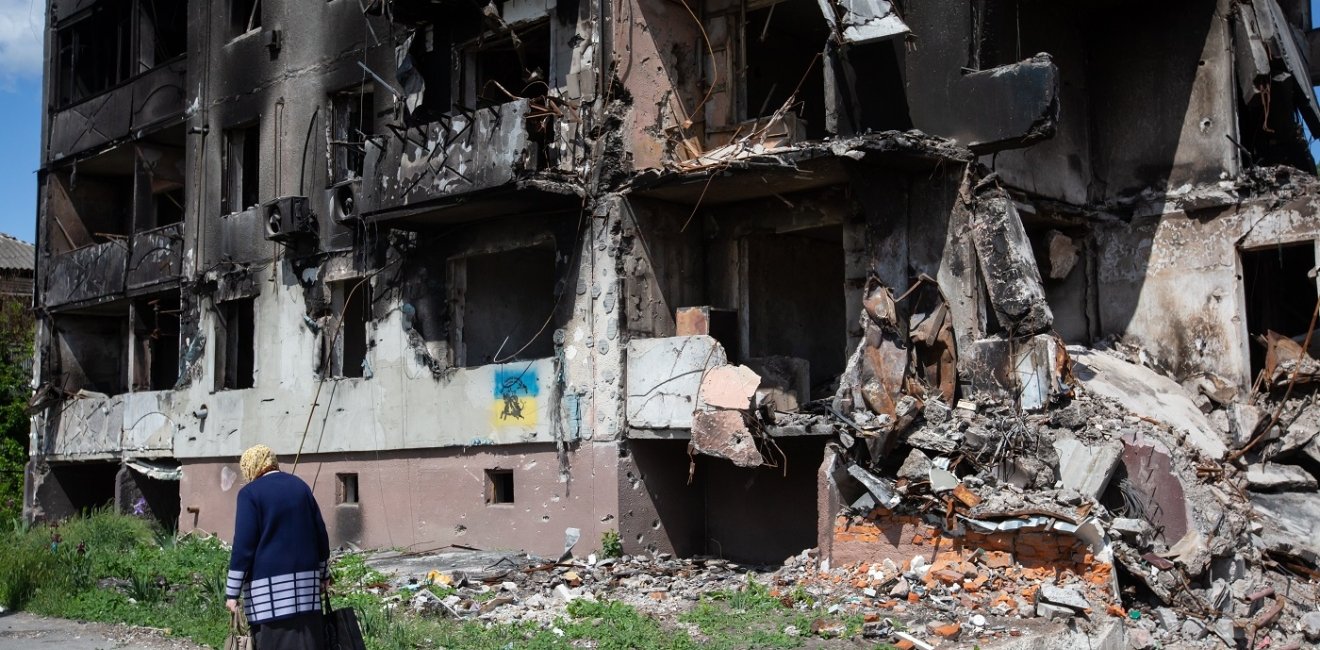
{"points": [[16, 255]]}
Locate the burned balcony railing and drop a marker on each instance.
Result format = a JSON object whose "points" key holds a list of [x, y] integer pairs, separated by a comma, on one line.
{"points": [[150, 99], [156, 257], [465, 152], [86, 274]]}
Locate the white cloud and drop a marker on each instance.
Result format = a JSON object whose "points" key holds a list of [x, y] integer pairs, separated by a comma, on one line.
{"points": [[21, 25]]}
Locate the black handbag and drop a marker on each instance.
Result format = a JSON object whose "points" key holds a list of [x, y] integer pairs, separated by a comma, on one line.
{"points": [[342, 631]]}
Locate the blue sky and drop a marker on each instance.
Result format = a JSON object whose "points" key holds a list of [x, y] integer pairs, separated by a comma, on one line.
{"points": [[21, 25]]}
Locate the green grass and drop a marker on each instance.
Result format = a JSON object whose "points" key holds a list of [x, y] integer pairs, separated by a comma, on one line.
{"points": [[118, 569]]}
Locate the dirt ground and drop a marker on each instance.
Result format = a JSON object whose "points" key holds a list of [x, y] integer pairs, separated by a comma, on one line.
{"points": [[22, 631]]}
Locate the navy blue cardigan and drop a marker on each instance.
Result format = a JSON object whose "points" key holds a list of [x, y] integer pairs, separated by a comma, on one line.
{"points": [[280, 549]]}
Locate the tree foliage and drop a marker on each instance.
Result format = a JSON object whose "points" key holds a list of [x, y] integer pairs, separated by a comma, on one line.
{"points": [[16, 332]]}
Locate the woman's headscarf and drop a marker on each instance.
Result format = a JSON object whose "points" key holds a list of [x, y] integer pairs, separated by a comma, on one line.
{"points": [[257, 460]]}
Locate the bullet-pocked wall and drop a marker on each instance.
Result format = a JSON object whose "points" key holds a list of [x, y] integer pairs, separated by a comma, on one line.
{"points": [[431, 499]]}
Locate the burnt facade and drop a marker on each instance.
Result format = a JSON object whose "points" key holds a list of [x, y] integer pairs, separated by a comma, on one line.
{"points": [[485, 273]]}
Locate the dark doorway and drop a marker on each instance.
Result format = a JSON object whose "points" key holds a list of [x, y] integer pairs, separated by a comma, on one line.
{"points": [[1279, 294]]}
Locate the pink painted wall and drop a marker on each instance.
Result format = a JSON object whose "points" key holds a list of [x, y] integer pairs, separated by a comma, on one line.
{"points": [[425, 500]]}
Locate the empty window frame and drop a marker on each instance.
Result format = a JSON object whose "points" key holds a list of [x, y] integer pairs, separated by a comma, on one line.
{"points": [[162, 31], [499, 487], [244, 16], [93, 206], [241, 170], [235, 344], [352, 120], [91, 349], [782, 42], [156, 337], [346, 336], [501, 303], [498, 70], [346, 489], [93, 51]]}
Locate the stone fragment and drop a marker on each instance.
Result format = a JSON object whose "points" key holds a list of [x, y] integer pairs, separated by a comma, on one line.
{"points": [[1054, 612], [900, 588], [1065, 596], [728, 387], [1134, 530], [1193, 629], [1087, 468], [1063, 254], [1139, 638], [1311, 625], [1168, 618], [934, 440], [1243, 419], [916, 467], [1275, 477], [724, 434]]}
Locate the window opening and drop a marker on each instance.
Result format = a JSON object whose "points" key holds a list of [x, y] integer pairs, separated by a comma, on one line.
{"points": [[499, 70], [92, 51], [504, 300], [235, 344], [244, 16], [781, 44], [242, 167], [349, 350], [353, 121], [156, 331]]}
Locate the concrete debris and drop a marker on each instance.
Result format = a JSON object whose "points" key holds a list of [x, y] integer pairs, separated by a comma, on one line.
{"points": [[1274, 477], [916, 466], [1311, 626], [1286, 362], [728, 387], [1087, 468], [1008, 265]]}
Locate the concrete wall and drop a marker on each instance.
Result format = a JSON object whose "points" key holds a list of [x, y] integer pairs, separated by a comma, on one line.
{"points": [[1173, 284], [428, 500]]}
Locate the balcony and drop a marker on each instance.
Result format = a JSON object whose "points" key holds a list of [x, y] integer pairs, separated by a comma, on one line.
{"points": [[156, 257], [85, 275], [145, 101]]}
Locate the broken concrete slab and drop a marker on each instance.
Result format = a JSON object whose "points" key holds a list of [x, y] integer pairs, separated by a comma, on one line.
{"points": [[1085, 467], [1294, 523], [1147, 393], [1243, 420], [916, 467], [728, 387], [725, 434], [1008, 265], [1063, 596], [879, 488], [1063, 253], [1277, 477], [664, 376]]}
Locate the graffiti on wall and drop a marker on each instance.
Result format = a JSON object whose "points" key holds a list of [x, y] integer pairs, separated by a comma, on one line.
{"points": [[516, 387]]}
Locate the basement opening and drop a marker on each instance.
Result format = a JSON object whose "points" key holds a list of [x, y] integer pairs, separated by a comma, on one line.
{"points": [[1279, 295], [347, 489], [502, 302], [75, 488], [804, 268], [235, 344], [499, 486], [156, 336]]}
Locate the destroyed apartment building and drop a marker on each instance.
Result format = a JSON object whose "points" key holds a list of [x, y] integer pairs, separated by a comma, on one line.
{"points": [[731, 278]]}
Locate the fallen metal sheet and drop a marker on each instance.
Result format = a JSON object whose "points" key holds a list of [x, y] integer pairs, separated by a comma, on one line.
{"points": [[878, 487], [863, 21], [937, 352], [1284, 357]]}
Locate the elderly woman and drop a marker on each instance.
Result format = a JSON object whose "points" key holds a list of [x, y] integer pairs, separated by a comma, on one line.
{"points": [[278, 564]]}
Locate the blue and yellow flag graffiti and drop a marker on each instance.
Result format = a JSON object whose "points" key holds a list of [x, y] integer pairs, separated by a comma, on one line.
{"points": [[516, 388]]}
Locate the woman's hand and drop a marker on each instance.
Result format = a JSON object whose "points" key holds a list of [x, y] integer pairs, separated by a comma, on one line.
{"points": [[232, 604]]}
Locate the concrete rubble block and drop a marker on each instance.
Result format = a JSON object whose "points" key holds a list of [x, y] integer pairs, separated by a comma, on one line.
{"points": [[1008, 265], [1065, 596], [724, 434], [1311, 626], [916, 467], [1028, 370], [1214, 387], [728, 387], [1087, 468], [878, 487], [1137, 531], [1147, 393], [1276, 477], [1155, 486], [664, 375]]}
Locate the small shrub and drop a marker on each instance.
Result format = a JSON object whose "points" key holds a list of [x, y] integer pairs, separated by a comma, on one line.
{"points": [[610, 544]]}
